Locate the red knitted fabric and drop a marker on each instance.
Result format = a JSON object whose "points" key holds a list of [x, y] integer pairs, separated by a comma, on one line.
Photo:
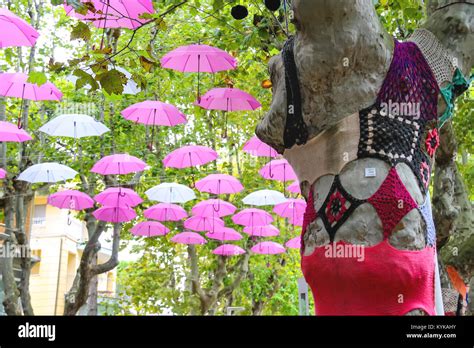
{"points": [[392, 201], [309, 216], [387, 282]]}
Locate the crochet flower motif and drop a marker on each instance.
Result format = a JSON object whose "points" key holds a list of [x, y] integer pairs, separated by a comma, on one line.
{"points": [[432, 141], [425, 173], [336, 207]]}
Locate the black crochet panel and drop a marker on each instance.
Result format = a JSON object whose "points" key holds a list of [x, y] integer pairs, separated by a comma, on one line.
{"points": [[394, 139], [337, 208], [295, 131]]}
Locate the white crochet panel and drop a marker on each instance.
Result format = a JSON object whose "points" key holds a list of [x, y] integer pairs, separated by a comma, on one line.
{"points": [[440, 61]]}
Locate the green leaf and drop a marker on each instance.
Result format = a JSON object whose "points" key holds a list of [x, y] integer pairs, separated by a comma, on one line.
{"points": [[37, 77], [112, 81], [81, 31], [85, 79]]}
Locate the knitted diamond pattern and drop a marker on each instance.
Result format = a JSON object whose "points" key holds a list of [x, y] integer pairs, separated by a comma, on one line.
{"points": [[392, 201]]}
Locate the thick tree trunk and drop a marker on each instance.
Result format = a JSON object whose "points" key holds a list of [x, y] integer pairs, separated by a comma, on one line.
{"points": [[342, 55]]}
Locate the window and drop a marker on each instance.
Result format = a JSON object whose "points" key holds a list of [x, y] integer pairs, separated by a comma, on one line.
{"points": [[39, 216]]}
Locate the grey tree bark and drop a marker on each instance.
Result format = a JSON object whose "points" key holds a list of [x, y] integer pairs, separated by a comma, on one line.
{"points": [[342, 54]]}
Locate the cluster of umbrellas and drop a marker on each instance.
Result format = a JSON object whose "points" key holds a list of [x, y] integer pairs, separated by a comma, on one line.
{"points": [[117, 203]]}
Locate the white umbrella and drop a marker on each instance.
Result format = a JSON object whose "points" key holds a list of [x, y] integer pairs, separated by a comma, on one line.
{"points": [[74, 126], [170, 193], [264, 197], [47, 172]]}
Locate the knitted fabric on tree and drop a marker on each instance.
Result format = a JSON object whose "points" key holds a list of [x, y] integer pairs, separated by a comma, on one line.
{"points": [[388, 281]]}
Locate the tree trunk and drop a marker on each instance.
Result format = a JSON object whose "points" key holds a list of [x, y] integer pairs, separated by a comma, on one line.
{"points": [[342, 55], [92, 300]]}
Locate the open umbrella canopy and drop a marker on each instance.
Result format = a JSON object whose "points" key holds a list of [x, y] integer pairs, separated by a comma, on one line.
{"points": [[15, 31], [203, 223], [213, 207], [189, 238], [228, 99], [70, 199], [198, 58], [118, 196], [17, 85], [291, 208], [224, 233], [113, 13], [262, 231], [165, 212], [294, 187], [297, 220], [190, 156], [264, 197], [3, 173], [170, 192], [268, 248], [11, 132], [252, 217], [74, 126], [228, 250], [279, 170], [258, 148], [219, 184], [118, 164], [294, 243], [47, 172], [149, 229], [154, 113], [115, 214]]}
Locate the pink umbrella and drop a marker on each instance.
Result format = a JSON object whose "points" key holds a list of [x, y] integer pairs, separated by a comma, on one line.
{"points": [[258, 148], [165, 212], [154, 113], [70, 199], [118, 164], [228, 250], [17, 85], [115, 214], [228, 99], [252, 217], [15, 31], [296, 221], [190, 156], [279, 170], [203, 223], [268, 248], [114, 13], [198, 58], [294, 187], [118, 196], [149, 229], [262, 231], [214, 207], [219, 184], [224, 233], [290, 208], [294, 243], [11, 132], [3, 173], [189, 238]]}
